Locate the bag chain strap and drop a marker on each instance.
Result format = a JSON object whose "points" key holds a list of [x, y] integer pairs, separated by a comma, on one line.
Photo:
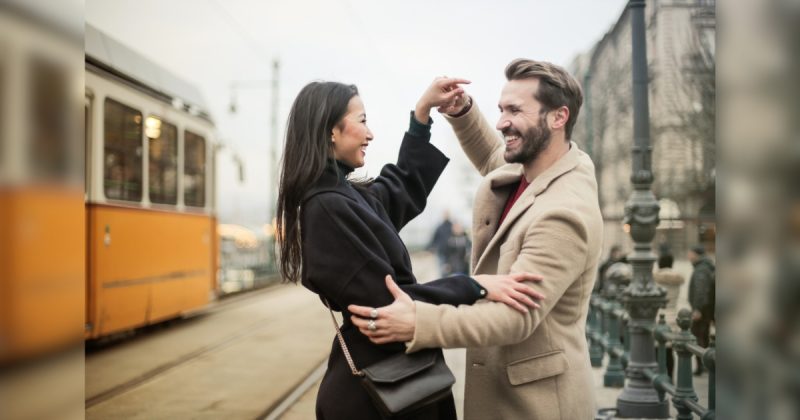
{"points": [[347, 356]]}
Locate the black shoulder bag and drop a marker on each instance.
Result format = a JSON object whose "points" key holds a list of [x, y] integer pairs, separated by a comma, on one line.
{"points": [[402, 383]]}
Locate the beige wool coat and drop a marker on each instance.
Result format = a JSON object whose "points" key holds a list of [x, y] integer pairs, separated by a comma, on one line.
{"points": [[533, 366]]}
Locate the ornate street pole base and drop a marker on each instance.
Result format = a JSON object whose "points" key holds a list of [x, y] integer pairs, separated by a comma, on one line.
{"points": [[596, 356], [641, 403], [614, 378]]}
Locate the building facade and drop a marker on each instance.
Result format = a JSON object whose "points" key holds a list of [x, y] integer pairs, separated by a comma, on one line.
{"points": [[681, 61]]}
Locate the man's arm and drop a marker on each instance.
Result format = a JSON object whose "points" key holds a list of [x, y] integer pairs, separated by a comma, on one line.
{"points": [[479, 139], [555, 247]]}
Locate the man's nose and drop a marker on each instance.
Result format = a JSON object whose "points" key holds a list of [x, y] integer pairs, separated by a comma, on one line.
{"points": [[369, 135], [502, 124]]}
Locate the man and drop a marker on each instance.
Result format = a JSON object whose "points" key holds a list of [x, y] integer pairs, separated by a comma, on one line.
{"points": [[458, 249], [535, 211], [614, 256], [439, 240], [701, 297], [672, 281]]}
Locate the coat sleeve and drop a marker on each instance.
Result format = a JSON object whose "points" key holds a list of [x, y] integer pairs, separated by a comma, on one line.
{"points": [[701, 286], [344, 261], [402, 189], [479, 140], [555, 247]]}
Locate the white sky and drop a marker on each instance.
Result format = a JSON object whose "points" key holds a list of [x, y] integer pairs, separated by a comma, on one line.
{"points": [[390, 50]]}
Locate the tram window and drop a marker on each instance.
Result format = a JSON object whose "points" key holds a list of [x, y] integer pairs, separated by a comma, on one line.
{"points": [[163, 162], [194, 169], [122, 152], [48, 120]]}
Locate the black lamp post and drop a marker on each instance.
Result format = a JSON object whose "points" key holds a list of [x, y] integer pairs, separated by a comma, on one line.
{"points": [[642, 298]]}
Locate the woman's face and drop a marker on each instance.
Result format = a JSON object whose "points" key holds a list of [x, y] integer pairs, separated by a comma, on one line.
{"points": [[352, 136]]}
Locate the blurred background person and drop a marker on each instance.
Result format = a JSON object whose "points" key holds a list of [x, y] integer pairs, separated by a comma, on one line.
{"points": [[458, 250], [438, 243], [615, 255], [672, 281], [701, 297]]}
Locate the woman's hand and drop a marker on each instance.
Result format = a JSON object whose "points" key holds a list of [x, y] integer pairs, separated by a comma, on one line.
{"points": [[443, 92], [509, 289], [456, 106]]}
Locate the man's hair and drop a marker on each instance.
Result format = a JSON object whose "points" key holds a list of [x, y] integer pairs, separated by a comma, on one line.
{"points": [[557, 87]]}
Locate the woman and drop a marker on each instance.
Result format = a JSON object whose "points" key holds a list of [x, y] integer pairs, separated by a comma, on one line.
{"points": [[340, 238]]}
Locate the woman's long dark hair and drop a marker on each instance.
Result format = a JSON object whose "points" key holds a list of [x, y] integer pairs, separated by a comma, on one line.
{"points": [[318, 108]]}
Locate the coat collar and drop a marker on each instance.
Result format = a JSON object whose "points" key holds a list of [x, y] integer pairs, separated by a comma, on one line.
{"points": [[333, 178], [509, 174]]}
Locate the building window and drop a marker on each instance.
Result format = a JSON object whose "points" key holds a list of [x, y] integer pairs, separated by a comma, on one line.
{"points": [[194, 169], [163, 160], [122, 152]]}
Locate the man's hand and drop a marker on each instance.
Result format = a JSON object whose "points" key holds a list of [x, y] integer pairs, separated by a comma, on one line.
{"points": [[696, 315], [443, 91], [392, 323], [509, 289]]}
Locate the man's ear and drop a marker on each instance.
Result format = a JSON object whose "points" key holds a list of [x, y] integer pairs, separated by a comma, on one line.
{"points": [[560, 117]]}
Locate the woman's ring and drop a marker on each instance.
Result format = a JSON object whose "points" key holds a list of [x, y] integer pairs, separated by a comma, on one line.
{"points": [[371, 325], [373, 313]]}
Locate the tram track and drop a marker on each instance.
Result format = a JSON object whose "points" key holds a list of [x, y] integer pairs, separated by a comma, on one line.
{"points": [[166, 367], [276, 410], [254, 328]]}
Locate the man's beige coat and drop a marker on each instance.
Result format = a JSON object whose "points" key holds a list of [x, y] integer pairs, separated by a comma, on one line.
{"points": [[533, 366]]}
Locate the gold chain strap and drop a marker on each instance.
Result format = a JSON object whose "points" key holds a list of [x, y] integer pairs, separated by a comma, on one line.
{"points": [[353, 369]]}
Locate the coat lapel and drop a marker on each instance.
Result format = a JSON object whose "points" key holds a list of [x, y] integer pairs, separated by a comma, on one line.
{"points": [[506, 175]]}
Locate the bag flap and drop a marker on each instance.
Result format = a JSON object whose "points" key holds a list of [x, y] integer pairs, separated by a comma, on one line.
{"points": [[400, 366]]}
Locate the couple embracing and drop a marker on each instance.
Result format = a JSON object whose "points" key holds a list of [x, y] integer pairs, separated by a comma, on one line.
{"points": [[537, 233]]}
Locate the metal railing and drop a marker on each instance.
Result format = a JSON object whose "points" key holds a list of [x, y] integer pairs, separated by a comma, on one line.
{"points": [[604, 332]]}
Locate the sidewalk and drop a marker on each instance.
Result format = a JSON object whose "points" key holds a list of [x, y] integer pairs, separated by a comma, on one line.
{"points": [[425, 269], [607, 397]]}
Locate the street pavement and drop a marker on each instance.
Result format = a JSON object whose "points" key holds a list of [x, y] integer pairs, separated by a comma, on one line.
{"points": [[242, 357], [234, 362]]}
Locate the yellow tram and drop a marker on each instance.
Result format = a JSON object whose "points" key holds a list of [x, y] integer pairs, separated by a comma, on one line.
{"points": [[107, 193], [42, 212], [151, 235]]}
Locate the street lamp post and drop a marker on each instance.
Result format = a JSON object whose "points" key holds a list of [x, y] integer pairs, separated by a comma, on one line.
{"points": [[642, 298]]}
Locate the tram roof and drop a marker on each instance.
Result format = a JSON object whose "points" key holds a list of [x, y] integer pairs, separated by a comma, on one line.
{"points": [[116, 58]]}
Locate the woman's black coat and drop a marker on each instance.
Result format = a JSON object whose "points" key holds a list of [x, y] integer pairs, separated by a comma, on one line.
{"points": [[350, 243]]}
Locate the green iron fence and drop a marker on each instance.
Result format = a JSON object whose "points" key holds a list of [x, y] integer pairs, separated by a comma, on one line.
{"points": [[606, 333]]}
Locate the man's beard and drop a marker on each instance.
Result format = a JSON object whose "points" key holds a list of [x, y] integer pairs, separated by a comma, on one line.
{"points": [[531, 144]]}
